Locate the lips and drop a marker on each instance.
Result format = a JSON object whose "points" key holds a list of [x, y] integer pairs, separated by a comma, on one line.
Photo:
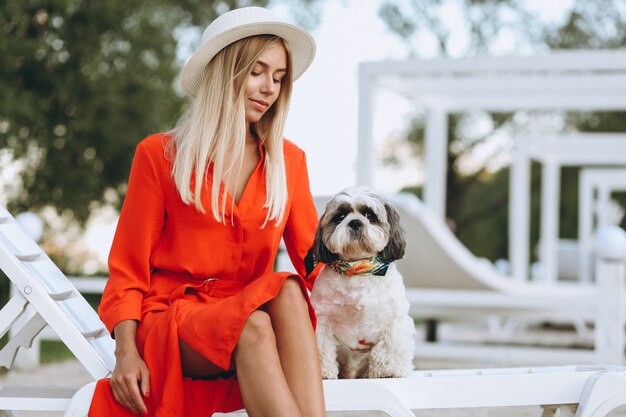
{"points": [[260, 104]]}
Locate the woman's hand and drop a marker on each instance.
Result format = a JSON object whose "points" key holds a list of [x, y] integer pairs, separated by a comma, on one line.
{"points": [[131, 377]]}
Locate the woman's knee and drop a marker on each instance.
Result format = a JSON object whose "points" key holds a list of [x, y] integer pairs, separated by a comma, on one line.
{"points": [[291, 292], [290, 295], [257, 330]]}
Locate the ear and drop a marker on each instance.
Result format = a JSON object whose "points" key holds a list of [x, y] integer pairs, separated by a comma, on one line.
{"points": [[397, 241], [320, 251]]}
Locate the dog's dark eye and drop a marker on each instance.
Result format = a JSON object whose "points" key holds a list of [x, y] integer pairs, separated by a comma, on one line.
{"points": [[369, 215], [339, 217]]}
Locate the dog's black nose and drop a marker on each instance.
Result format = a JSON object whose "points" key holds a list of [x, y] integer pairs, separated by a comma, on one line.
{"points": [[355, 224]]}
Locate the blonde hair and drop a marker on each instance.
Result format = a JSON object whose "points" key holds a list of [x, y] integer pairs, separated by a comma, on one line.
{"points": [[212, 132]]}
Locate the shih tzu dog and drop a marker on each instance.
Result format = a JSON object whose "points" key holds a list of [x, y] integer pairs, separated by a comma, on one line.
{"points": [[363, 327]]}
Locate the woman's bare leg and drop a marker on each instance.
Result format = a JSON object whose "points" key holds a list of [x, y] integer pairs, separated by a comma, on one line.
{"points": [[297, 348], [278, 346], [263, 386], [256, 361], [197, 366]]}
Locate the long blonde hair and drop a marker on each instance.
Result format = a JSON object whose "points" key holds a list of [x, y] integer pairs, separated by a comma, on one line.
{"points": [[212, 132]]}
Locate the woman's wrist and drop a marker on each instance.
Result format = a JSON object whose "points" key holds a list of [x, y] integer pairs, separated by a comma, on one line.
{"points": [[125, 334], [125, 350]]}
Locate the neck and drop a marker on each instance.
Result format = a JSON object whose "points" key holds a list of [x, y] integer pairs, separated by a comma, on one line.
{"points": [[251, 137]]}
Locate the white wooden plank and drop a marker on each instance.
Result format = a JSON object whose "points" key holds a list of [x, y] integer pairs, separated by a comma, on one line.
{"points": [[557, 61], [105, 346], [23, 338], [51, 276], [21, 244], [83, 316], [11, 311]]}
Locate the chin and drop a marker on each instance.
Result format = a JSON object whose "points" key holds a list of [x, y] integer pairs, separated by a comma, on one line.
{"points": [[363, 329]]}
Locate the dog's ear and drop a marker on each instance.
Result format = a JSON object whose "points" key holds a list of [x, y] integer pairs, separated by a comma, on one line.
{"points": [[320, 251], [397, 241]]}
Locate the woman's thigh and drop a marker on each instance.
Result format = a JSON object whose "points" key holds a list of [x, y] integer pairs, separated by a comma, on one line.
{"points": [[257, 330], [196, 366]]}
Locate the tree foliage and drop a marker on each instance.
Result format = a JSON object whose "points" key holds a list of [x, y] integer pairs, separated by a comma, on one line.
{"points": [[81, 82]]}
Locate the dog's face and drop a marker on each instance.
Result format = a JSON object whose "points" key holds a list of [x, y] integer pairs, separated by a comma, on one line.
{"points": [[357, 224]]}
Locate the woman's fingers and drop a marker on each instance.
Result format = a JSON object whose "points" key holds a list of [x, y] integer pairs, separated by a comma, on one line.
{"points": [[145, 381], [120, 392], [126, 391], [132, 385]]}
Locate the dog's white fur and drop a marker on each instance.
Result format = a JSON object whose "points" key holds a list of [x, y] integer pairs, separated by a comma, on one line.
{"points": [[363, 327]]}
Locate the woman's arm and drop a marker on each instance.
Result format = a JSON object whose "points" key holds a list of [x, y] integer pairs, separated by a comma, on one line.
{"points": [[138, 232], [130, 377], [301, 223]]}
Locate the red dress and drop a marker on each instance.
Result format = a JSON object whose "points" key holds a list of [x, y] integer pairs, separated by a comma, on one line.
{"points": [[183, 274]]}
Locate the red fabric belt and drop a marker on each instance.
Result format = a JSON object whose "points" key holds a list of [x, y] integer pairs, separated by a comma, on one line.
{"points": [[213, 287]]}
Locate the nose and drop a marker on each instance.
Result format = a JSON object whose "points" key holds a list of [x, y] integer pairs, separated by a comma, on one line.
{"points": [[355, 224], [269, 87]]}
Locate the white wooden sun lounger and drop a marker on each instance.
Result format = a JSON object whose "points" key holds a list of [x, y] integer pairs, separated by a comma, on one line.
{"points": [[46, 296]]}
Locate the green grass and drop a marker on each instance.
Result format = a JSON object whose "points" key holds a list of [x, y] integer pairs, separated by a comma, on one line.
{"points": [[54, 351]]}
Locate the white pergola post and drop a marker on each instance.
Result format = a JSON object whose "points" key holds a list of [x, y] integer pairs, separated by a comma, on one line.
{"points": [[436, 151], [610, 273], [519, 214], [365, 149], [549, 220], [585, 226]]}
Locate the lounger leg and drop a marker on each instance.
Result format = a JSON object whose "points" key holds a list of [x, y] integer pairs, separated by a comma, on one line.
{"points": [[568, 410], [565, 410]]}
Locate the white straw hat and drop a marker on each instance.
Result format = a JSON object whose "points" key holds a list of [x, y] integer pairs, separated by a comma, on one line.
{"points": [[242, 23]]}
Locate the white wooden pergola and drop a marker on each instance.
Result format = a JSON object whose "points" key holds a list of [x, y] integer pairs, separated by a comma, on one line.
{"points": [[581, 80]]}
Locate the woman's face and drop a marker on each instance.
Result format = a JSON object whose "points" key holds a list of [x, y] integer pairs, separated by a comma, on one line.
{"points": [[263, 85]]}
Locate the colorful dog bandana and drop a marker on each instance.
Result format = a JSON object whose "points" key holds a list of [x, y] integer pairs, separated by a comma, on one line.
{"points": [[370, 266]]}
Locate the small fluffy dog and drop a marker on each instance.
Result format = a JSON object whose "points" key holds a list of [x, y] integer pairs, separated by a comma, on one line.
{"points": [[363, 327]]}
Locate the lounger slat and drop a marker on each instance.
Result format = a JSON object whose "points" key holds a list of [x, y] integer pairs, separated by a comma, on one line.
{"points": [[23, 246], [105, 346], [58, 286], [84, 316]]}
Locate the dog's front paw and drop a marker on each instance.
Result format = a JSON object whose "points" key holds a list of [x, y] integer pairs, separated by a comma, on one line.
{"points": [[385, 372], [390, 363]]}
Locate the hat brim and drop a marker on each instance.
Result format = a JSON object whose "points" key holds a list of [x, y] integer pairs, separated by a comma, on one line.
{"points": [[301, 43]]}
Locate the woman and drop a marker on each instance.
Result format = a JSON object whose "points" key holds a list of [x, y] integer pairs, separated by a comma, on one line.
{"points": [[201, 322]]}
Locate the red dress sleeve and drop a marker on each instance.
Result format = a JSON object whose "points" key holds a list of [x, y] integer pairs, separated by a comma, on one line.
{"points": [[301, 224], [138, 231]]}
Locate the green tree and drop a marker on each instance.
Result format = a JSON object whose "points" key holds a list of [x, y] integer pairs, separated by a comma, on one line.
{"points": [[477, 202], [81, 82]]}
